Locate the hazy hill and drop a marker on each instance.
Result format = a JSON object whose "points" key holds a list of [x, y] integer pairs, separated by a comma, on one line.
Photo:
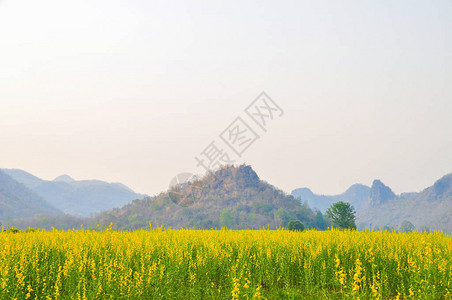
{"points": [[357, 195], [27, 179], [380, 194], [232, 196], [17, 201], [80, 198], [430, 208]]}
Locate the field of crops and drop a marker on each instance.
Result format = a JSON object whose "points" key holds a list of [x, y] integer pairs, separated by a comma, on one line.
{"points": [[223, 264]]}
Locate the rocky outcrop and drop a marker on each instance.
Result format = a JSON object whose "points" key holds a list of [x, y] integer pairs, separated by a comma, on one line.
{"points": [[380, 193]]}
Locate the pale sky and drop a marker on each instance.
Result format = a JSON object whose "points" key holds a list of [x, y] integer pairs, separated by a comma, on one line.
{"points": [[132, 91]]}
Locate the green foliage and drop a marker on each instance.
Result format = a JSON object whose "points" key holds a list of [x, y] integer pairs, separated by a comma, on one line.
{"points": [[227, 218], [303, 212], [342, 214], [252, 217], [31, 229], [13, 230], [263, 208], [295, 225], [281, 217], [320, 222]]}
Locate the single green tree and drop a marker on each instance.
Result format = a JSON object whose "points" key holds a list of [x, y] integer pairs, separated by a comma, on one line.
{"points": [[295, 225], [342, 214]]}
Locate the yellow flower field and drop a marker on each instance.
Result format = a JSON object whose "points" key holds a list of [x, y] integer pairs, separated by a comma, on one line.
{"points": [[224, 264]]}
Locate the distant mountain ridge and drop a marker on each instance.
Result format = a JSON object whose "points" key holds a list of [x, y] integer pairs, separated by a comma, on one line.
{"points": [[357, 195], [378, 206], [64, 178], [76, 197], [17, 201], [380, 193], [430, 208], [235, 197]]}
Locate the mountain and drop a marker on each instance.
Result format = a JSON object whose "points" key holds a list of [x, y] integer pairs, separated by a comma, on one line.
{"points": [[430, 208], [233, 197], [27, 179], [357, 195], [17, 201], [64, 178], [380, 193], [80, 198]]}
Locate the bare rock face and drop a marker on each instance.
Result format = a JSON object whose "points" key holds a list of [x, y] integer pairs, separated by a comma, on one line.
{"points": [[442, 188], [248, 175], [380, 194]]}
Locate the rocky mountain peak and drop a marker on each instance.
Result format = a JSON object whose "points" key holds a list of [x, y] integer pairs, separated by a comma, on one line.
{"points": [[443, 187], [380, 193]]}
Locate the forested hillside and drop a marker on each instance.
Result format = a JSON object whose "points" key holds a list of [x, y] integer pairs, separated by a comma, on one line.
{"points": [[232, 197]]}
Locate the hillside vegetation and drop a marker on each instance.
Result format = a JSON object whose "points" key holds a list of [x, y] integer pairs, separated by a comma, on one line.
{"points": [[232, 197]]}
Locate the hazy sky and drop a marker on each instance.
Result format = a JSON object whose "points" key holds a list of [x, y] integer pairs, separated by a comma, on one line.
{"points": [[132, 91]]}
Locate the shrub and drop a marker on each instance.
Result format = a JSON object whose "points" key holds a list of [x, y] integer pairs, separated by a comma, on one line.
{"points": [[295, 225], [13, 230]]}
